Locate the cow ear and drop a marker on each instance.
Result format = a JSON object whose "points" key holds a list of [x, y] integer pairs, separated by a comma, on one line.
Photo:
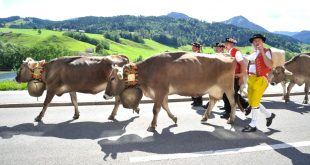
{"points": [[120, 75], [31, 65], [42, 62]]}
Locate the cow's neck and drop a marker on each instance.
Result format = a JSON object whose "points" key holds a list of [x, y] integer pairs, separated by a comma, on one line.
{"points": [[45, 72], [289, 66], [142, 72]]}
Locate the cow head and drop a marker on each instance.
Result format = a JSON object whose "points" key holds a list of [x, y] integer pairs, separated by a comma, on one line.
{"points": [[25, 71], [116, 83], [277, 75]]}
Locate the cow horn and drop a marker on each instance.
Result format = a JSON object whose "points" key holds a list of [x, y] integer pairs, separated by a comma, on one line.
{"points": [[288, 73]]}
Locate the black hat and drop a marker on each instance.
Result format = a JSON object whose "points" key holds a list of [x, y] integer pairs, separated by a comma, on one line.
{"points": [[231, 40], [197, 45], [218, 45], [257, 36]]}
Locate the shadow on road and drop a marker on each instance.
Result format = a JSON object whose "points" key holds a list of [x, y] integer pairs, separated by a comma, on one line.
{"points": [[195, 141], [68, 130], [269, 104], [291, 106]]}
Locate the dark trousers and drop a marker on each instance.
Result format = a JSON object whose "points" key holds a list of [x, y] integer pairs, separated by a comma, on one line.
{"points": [[237, 96], [197, 100]]}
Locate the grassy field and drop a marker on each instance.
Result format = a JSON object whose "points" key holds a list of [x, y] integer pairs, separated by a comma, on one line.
{"points": [[30, 38], [11, 85]]}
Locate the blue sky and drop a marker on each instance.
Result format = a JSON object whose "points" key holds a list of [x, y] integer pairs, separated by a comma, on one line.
{"points": [[284, 15]]}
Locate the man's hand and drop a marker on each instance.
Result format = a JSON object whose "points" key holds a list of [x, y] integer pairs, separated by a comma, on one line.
{"points": [[241, 80]]}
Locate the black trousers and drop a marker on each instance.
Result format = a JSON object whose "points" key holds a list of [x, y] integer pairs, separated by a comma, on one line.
{"points": [[197, 100], [237, 96]]}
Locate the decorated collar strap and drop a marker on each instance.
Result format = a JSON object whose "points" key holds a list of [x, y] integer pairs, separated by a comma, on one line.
{"points": [[37, 71], [131, 75]]}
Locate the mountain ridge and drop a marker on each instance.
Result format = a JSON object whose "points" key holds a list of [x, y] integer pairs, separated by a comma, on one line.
{"points": [[241, 21]]}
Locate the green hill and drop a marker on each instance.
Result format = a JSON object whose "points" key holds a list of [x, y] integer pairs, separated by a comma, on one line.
{"points": [[30, 38]]}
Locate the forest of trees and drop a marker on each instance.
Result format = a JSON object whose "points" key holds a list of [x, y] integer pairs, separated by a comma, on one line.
{"points": [[11, 56], [174, 32]]}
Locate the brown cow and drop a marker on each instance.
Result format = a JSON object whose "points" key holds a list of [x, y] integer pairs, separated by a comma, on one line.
{"points": [[85, 74], [182, 73], [295, 71]]}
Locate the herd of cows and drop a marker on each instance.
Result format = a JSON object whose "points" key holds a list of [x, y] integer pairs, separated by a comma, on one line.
{"points": [[182, 73]]}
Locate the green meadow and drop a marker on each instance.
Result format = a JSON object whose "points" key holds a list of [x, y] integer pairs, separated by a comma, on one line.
{"points": [[31, 37], [12, 85]]}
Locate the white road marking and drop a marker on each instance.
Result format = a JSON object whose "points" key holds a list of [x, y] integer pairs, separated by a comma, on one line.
{"points": [[218, 152]]}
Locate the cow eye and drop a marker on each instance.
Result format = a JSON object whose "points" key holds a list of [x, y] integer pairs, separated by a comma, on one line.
{"points": [[113, 78]]}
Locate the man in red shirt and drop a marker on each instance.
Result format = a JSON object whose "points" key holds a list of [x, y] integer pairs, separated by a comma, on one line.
{"points": [[261, 61], [240, 72]]}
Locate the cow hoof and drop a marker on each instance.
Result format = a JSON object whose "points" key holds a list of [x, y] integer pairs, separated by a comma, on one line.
{"points": [[204, 119], [38, 119], [137, 110], [111, 117], [305, 102], [76, 117], [175, 120], [151, 129]]}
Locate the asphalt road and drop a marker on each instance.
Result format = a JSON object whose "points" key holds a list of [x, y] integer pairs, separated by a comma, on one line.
{"points": [[93, 139]]}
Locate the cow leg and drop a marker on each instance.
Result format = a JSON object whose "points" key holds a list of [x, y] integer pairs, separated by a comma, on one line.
{"points": [[166, 108], [284, 89], [231, 97], [207, 113], [116, 105], [289, 88], [75, 104], [306, 93], [156, 108], [48, 99]]}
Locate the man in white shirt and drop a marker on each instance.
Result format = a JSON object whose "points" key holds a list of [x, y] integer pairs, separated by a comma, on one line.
{"points": [[218, 48], [197, 101], [240, 72], [260, 66]]}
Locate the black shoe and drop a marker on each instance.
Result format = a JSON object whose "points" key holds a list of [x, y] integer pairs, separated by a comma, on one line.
{"points": [[269, 119], [248, 128], [248, 110], [205, 106], [193, 103], [197, 104], [225, 116]]}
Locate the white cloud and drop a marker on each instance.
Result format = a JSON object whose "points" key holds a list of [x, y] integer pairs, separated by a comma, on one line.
{"points": [[273, 15]]}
